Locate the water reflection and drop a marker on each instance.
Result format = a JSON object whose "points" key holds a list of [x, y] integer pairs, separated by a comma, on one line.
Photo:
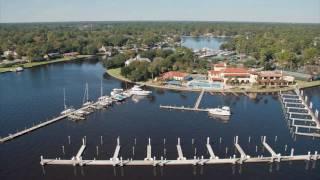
{"points": [[222, 119]]}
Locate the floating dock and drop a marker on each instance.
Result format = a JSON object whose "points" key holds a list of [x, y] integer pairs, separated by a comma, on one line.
{"points": [[194, 108], [181, 160], [297, 110]]}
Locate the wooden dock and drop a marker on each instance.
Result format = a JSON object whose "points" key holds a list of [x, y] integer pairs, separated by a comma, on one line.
{"points": [[181, 160]]}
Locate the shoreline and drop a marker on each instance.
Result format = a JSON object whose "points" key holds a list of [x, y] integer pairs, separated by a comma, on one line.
{"points": [[270, 90], [41, 63]]}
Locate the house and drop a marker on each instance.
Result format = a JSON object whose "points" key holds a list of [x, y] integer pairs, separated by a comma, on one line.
{"points": [[52, 55], [71, 54], [219, 66], [175, 75], [105, 50], [274, 78], [10, 53], [229, 75], [138, 58]]}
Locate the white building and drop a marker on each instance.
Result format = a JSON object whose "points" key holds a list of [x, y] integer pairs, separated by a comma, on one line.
{"points": [[138, 58], [10, 53]]}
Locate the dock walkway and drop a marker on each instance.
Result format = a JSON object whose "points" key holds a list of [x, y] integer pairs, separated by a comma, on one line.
{"points": [[296, 108], [181, 160], [46, 123], [183, 108]]}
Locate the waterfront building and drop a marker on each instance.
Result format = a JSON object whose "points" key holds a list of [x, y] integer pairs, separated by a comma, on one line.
{"points": [[52, 55], [274, 78], [175, 75], [228, 75]]}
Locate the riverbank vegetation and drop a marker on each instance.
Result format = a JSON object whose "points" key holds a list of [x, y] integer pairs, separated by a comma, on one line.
{"points": [[285, 46], [34, 64]]}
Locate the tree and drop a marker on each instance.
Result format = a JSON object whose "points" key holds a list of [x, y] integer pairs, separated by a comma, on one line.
{"points": [[309, 55]]}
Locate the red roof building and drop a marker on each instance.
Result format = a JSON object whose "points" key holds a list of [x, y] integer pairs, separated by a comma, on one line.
{"points": [[176, 75], [224, 73]]}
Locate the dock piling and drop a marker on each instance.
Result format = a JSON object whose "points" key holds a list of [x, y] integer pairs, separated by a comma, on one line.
{"points": [[63, 150], [292, 152]]}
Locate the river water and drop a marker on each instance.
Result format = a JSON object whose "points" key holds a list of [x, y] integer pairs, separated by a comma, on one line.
{"points": [[37, 94], [200, 42]]}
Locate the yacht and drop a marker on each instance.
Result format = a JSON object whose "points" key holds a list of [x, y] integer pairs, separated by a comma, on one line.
{"points": [[136, 90], [116, 91], [66, 109], [224, 111]]}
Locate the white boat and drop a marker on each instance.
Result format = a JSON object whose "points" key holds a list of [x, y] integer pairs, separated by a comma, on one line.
{"points": [[116, 91], [66, 109], [104, 100], [86, 101], [82, 112], [19, 69], [224, 111], [136, 90]]}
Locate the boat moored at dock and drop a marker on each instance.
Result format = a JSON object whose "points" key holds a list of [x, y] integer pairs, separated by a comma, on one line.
{"points": [[224, 111], [136, 90]]}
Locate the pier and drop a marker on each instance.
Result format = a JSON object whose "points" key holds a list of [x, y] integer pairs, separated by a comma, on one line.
{"points": [[74, 115], [297, 109], [181, 159], [194, 108]]}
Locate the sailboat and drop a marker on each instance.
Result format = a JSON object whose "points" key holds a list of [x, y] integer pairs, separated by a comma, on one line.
{"points": [[104, 100], [86, 101], [66, 109]]}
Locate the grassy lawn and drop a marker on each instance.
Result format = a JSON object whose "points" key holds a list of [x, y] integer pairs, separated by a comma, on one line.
{"points": [[304, 84], [34, 64], [117, 74]]}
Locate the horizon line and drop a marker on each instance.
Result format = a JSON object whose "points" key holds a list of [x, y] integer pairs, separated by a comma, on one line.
{"points": [[123, 21]]}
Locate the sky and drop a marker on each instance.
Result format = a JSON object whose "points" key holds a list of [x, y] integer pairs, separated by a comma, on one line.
{"points": [[293, 11]]}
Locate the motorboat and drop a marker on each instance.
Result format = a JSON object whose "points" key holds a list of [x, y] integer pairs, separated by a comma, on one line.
{"points": [[136, 90], [127, 93], [224, 111], [67, 111], [116, 91], [19, 69], [82, 112]]}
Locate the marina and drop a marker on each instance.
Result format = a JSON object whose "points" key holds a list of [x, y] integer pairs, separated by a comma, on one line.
{"points": [[87, 108], [131, 120]]}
